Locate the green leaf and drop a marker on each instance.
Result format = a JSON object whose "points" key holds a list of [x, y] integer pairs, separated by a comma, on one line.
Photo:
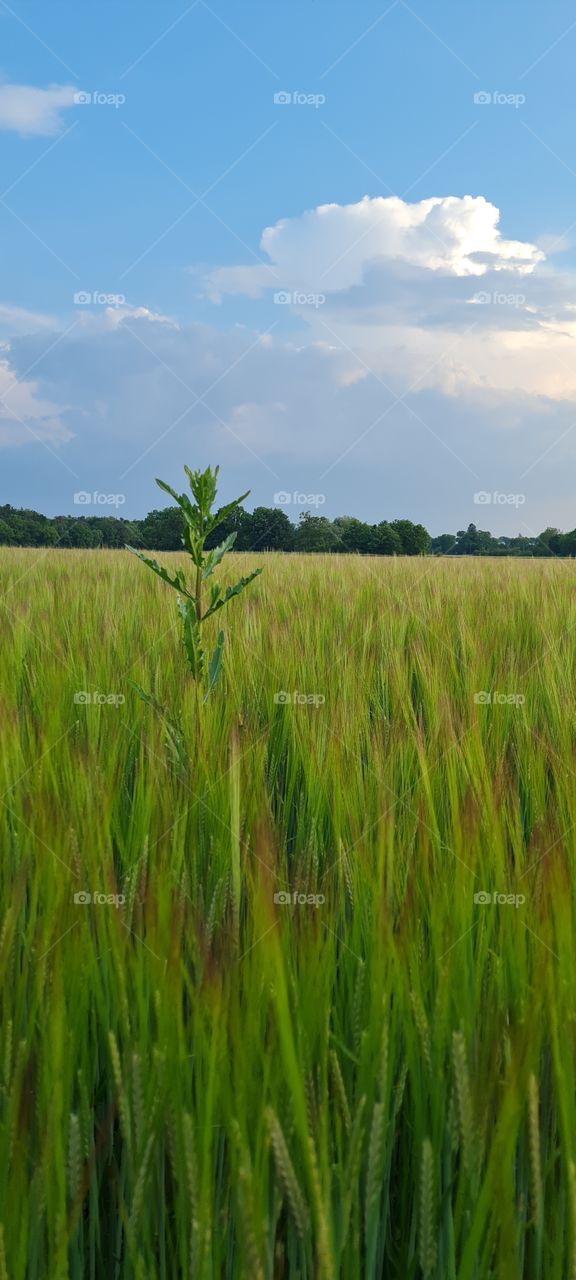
{"points": [[174, 737], [203, 485], [191, 514], [146, 697], [230, 592], [223, 512], [193, 545], [178, 581], [215, 665], [168, 489], [191, 636], [215, 592], [216, 555], [176, 745]]}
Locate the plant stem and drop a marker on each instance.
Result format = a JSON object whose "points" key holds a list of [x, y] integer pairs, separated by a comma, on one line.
{"points": [[199, 593]]}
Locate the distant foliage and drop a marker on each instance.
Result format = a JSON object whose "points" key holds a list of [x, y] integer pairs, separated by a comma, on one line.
{"points": [[269, 529]]}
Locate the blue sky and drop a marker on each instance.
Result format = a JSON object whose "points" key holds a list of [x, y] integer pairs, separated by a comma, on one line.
{"points": [[425, 353]]}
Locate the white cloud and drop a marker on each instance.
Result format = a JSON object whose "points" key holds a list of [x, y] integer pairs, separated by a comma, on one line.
{"points": [[428, 292], [330, 248], [110, 317], [25, 416], [34, 112]]}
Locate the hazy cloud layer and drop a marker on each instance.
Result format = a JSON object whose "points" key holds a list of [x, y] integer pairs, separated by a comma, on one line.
{"points": [[426, 345]]}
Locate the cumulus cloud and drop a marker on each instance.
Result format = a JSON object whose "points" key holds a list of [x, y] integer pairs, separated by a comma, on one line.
{"points": [[428, 292], [34, 112], [329, 248]]}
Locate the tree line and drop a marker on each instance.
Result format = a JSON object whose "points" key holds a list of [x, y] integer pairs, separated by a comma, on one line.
{"points": [[269, 529]]}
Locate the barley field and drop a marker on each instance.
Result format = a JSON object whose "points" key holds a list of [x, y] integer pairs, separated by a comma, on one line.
{"points": [[297, 999]]}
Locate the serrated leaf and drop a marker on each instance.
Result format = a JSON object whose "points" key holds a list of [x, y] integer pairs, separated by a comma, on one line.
{"points": [[174, 737], [230, 592], [191, 637], [203, 485], [190, 513], [215, 666], [215, 592], [168, 489], [178, 582], [146, 697], [192, 544], [217, 554], [227, 510]]}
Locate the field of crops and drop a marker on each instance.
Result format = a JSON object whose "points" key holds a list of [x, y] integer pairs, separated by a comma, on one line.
{"points": [[376, 1077]]}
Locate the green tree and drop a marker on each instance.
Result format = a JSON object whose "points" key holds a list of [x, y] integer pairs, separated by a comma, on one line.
{"points": [[269, 529], [355, 536], [414, 538], [550, 543], [315, 533], [162, 530], [443, 545], [388, 540]]}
